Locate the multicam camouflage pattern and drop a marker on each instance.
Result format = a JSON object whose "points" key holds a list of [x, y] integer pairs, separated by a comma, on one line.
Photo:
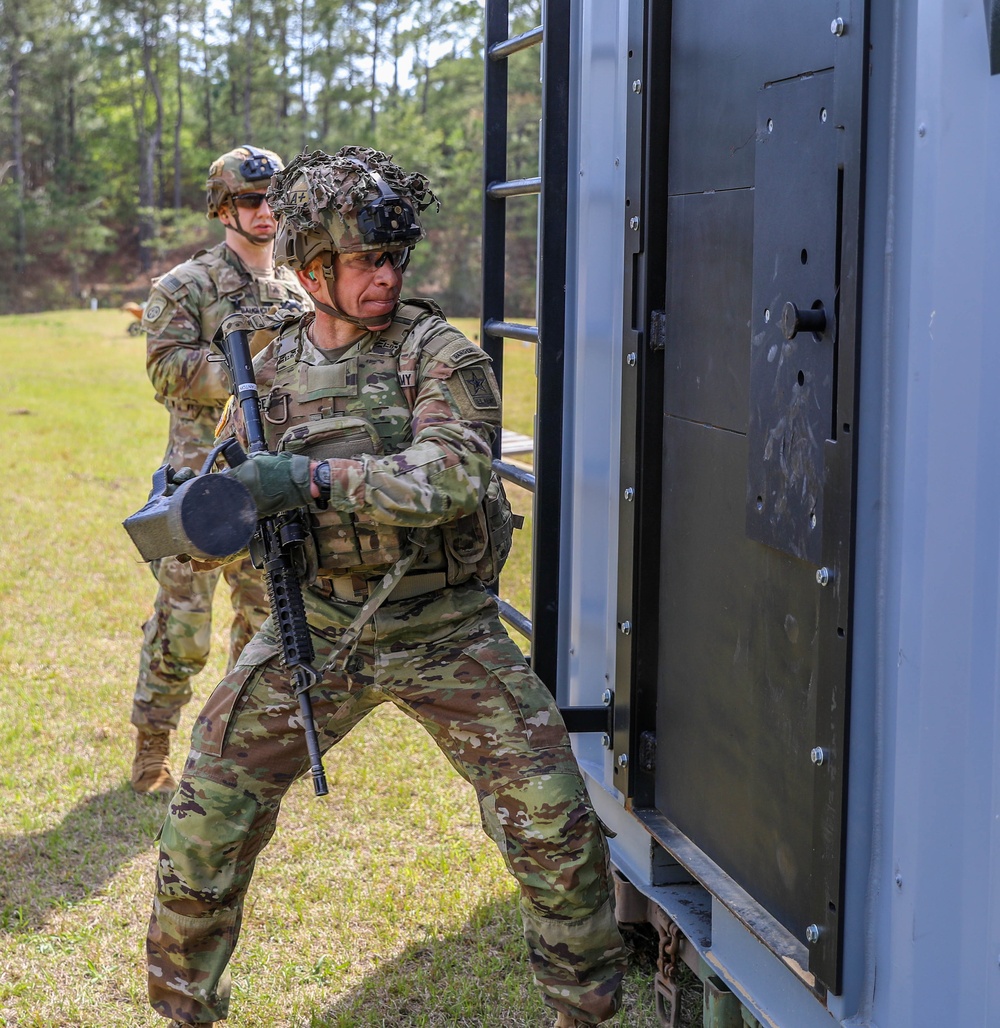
{"points": [[231, 174], [177, 637], [422, 420], [316, 200], [445, 660], [416, 408], [184, 310]]}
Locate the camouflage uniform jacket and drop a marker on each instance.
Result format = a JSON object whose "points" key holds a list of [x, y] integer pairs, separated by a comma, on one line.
{"points": [[405, 418], [184, 310]]}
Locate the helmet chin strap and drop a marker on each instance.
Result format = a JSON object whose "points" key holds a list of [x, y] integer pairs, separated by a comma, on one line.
{"points": [[366, 323], [238, 227]]}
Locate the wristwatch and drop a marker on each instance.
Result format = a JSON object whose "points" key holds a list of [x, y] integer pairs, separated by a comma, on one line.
{"points": [[321, 479]]}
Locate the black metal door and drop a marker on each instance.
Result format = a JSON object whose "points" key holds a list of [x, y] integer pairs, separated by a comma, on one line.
{"points": [[763, 203]]}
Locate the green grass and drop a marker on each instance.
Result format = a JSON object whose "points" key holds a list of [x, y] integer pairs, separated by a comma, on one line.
{"points": [[382, 905]]}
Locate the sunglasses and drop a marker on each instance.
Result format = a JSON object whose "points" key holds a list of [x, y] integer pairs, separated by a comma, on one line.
{"points": [[373, 259], [249, 201]]}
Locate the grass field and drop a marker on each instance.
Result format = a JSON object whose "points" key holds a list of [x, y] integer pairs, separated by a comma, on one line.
{"points": [[380, 905]]}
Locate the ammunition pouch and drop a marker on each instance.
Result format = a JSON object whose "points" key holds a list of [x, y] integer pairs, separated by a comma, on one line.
{"points": [[479, 543], [345, 540]]}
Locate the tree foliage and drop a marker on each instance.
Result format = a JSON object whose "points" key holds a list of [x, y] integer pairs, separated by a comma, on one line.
{"points": [[112, 110]]}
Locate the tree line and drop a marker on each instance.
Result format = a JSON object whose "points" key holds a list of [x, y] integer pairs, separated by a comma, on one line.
{"points": [[112, 112]]}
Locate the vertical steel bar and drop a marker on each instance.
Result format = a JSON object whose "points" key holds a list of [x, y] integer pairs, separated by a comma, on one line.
{"points": [[551, 363], [494, 170]]}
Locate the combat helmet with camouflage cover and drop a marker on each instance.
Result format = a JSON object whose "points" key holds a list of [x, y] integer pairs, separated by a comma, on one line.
{"points": [[354, 201], [247, 169]]}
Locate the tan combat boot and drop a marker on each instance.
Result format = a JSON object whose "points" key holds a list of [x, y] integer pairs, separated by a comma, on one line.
{"points": [[566, 1021], [151, 767]]}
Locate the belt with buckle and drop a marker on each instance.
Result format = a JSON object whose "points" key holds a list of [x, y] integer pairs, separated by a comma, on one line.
{"points": [[355, 589]]}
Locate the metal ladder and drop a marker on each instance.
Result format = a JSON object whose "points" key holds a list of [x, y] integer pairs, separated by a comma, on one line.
{"points": [[549, 333]]}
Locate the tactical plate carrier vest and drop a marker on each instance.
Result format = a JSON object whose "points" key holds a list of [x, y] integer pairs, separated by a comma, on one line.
{"points": [[361, 405]]}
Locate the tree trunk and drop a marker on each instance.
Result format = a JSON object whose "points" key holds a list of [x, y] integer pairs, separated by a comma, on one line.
{"points": [[395, 58], [179, 120], [12, 38], [248, 76], [282, 32], [208, 77], [17, 141], [302, 72], [374, 81], [149, 144]]}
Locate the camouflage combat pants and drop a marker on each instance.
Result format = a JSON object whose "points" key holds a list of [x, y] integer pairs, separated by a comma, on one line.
{"points": [[446, 661], [177, 637]]}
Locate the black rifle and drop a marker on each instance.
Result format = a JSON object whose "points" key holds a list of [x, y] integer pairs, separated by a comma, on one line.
{"points": [[277, 544]]}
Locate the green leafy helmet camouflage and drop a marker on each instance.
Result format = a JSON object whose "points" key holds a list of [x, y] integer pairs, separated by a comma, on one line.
{"points": [[353, 201], [247, 169]]}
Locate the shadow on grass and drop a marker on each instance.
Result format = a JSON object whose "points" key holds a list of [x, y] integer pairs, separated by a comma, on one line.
{"points": [[476, 977], [50, 870]]}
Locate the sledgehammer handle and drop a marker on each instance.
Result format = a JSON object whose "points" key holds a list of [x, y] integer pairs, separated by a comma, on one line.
{"points": [[236, 349], [283, 584]]}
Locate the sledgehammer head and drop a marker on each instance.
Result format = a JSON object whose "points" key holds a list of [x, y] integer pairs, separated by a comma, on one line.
{"points": [[207, 517]]}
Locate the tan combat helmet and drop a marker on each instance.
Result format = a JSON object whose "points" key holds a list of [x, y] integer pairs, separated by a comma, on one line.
{"points": [[247, 169]]}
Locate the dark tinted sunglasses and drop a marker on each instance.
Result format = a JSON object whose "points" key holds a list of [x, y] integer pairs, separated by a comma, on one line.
{"points": [[372, 259], [249, 201]]}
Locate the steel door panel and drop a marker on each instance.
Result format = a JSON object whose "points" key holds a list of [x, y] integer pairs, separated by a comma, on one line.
{"points": [[763, 206], [792, 385], [721, 55], [737, 714], [707, 307]]}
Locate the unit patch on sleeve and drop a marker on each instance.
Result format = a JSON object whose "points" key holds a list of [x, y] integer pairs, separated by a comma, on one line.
{"points": [[479, 387]]}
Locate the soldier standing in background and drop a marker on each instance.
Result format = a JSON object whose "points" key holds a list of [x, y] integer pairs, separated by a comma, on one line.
{"points": [[383, 416], [184, 310]]}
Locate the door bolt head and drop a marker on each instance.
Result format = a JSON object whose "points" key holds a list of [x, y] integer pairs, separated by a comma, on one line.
{"points": [[812, 933], [823, 576], [817, 755], [637, 85], [838, 27], [630, 359], [623, 760], [625, 628], [629, 494], [607, 697]]}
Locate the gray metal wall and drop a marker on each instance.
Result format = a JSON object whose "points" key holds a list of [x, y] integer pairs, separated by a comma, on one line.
{"points": [[935, 512], [593, 392], [923, 864]]}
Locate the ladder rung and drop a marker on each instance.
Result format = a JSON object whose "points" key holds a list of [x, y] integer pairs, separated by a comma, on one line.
{"points": [[586, 719], [514, 617], [498, 51], [509, 330], [515, 187], [514, 473]]}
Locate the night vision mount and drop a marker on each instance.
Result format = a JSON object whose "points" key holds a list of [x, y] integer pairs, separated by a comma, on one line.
{"points": [[258, 165], [390, 220]]}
